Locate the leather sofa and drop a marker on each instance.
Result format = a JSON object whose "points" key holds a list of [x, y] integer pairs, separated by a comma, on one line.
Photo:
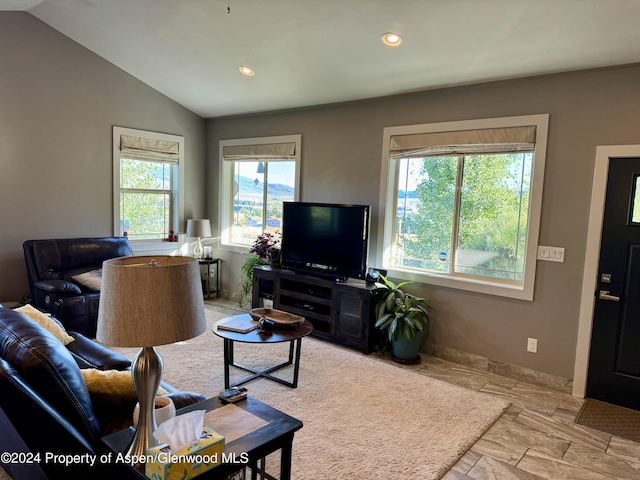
{"points": [[51, 268], [46, 407]]}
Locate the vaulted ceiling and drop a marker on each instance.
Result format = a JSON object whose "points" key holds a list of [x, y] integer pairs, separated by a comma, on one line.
{"points": [[313, 52]]}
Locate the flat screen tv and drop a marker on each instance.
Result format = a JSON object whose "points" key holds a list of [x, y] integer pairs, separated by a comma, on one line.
{"points": [[325, 239]]}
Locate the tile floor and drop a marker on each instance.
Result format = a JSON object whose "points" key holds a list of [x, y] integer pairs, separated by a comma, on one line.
{"points": [[535, 438]]}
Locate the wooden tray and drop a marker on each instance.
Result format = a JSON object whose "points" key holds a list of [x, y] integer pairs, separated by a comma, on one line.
{"points": [[276, 316]]}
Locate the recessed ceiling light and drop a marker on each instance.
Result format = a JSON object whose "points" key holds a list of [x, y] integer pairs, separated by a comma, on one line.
{"points": [[392, 39], [247, 71]]}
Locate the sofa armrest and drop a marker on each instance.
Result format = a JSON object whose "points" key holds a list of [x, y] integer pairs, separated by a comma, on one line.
{"points": [[90, 354], [78, 313], [184, 399], [115, 417], [46, 293], [28, 420], [63, 287]]}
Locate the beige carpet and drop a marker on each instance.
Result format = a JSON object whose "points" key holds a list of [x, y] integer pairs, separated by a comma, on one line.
{"points": [[363, 418]]}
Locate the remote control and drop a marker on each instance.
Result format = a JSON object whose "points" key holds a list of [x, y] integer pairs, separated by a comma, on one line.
{"points": [[233, 395]]}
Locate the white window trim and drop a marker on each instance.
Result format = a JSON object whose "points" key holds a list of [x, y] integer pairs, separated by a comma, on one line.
{"points": [[177, 214], [387, 188], [226, 192]]}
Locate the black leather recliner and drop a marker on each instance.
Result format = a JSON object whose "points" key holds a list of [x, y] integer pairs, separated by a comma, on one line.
{"points": [[51, 266], [45, 406]]}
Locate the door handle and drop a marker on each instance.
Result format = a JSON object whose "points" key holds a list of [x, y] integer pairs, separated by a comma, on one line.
{"points": [[605, 295]]}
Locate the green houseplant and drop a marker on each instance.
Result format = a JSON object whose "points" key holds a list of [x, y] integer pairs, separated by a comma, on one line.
{"points": [[264, 251], [246, 277], [403, 317]]}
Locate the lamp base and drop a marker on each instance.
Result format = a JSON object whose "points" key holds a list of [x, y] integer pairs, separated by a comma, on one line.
{"points": [[146, 371], [198, 251]]}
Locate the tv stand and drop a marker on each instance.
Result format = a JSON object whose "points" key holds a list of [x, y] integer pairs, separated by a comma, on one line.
{"points": [[341, 312]]}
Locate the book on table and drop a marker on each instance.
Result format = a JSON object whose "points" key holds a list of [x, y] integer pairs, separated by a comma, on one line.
{"points": [[239, 325]]}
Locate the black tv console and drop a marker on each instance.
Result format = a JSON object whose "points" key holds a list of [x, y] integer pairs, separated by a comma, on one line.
{"points": [[341, 312]]}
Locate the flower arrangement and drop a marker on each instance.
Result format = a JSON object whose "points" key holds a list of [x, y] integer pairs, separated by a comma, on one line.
{"points": [[267, 246]]}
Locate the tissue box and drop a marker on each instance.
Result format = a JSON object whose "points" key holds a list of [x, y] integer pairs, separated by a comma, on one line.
{"points": [[191, 461]]}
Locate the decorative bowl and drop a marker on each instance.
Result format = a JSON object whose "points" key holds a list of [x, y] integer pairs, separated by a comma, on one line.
{"points": [[278, 317]]}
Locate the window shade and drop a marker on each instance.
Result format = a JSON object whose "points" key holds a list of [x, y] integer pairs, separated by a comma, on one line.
{"points": [[142, 148], [263, 151], [492, 140]]}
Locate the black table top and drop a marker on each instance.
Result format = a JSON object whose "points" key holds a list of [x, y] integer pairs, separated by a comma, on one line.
{"points": [[272, 336], [280, 424], [257, 444]]}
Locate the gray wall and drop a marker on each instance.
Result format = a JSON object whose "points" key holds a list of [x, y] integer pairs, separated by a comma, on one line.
{"points": [[58, 103], [341, 162]]}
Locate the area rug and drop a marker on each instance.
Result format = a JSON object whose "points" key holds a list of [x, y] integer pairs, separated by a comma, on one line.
{"points": [[363, 418], [609, 418]]}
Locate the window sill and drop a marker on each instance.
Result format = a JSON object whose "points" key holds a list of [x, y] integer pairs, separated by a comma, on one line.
{"points": [[158, 248], [227, 247], [466, 284]]}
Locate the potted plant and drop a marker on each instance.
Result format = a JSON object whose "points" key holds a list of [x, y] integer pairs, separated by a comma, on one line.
{"points": [[264, 251], [404, 318]]}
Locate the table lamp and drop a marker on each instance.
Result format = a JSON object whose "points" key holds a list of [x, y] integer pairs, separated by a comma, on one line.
{"points": [[198, 227], [147, 301]]}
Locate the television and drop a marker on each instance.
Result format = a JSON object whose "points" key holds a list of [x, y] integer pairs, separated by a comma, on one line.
{"points": [[325, 239]]}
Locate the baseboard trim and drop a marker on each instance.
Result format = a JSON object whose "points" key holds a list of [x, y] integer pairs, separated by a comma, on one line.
{"points": [[485, 364]]}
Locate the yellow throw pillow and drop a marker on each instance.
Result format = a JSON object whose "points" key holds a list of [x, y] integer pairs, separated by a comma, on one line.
{"points": [[111, 386], [47, 323]]}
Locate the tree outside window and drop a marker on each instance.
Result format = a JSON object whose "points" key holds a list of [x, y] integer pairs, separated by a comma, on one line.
{"points": [[490, 194], [145, 199]]}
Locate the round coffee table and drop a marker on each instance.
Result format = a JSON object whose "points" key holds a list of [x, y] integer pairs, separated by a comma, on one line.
{"points": [[293, 335]]}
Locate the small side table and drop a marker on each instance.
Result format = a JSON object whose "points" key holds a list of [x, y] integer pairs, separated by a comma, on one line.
{"points": [[277, 435], [206, 285], [292, 335]]}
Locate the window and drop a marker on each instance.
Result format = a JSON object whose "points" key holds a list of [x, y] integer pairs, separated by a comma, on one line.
{"points": [[635, 200], [146, 183], [462, 203], [259, 174]]}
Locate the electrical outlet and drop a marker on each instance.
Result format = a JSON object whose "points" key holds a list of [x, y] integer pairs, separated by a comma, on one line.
{"points": [[532, 345]]}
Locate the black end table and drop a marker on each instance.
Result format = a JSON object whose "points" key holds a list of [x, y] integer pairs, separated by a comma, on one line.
{"points": [[206, 286], [277, 434]]}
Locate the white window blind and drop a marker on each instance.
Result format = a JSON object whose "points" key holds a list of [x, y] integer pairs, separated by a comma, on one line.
{"points": [[490, 140], [142, 148], [262, 151]]}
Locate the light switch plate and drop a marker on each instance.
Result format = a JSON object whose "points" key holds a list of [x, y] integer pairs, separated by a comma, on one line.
{"points": [[551, 254]]}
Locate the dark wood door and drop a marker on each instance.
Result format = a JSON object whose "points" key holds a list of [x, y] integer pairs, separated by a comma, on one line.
{"points": [[614, 361]]}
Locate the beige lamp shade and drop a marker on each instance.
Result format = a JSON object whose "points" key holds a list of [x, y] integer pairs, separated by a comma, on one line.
{"points": [[198, 227], [150, 300]]}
